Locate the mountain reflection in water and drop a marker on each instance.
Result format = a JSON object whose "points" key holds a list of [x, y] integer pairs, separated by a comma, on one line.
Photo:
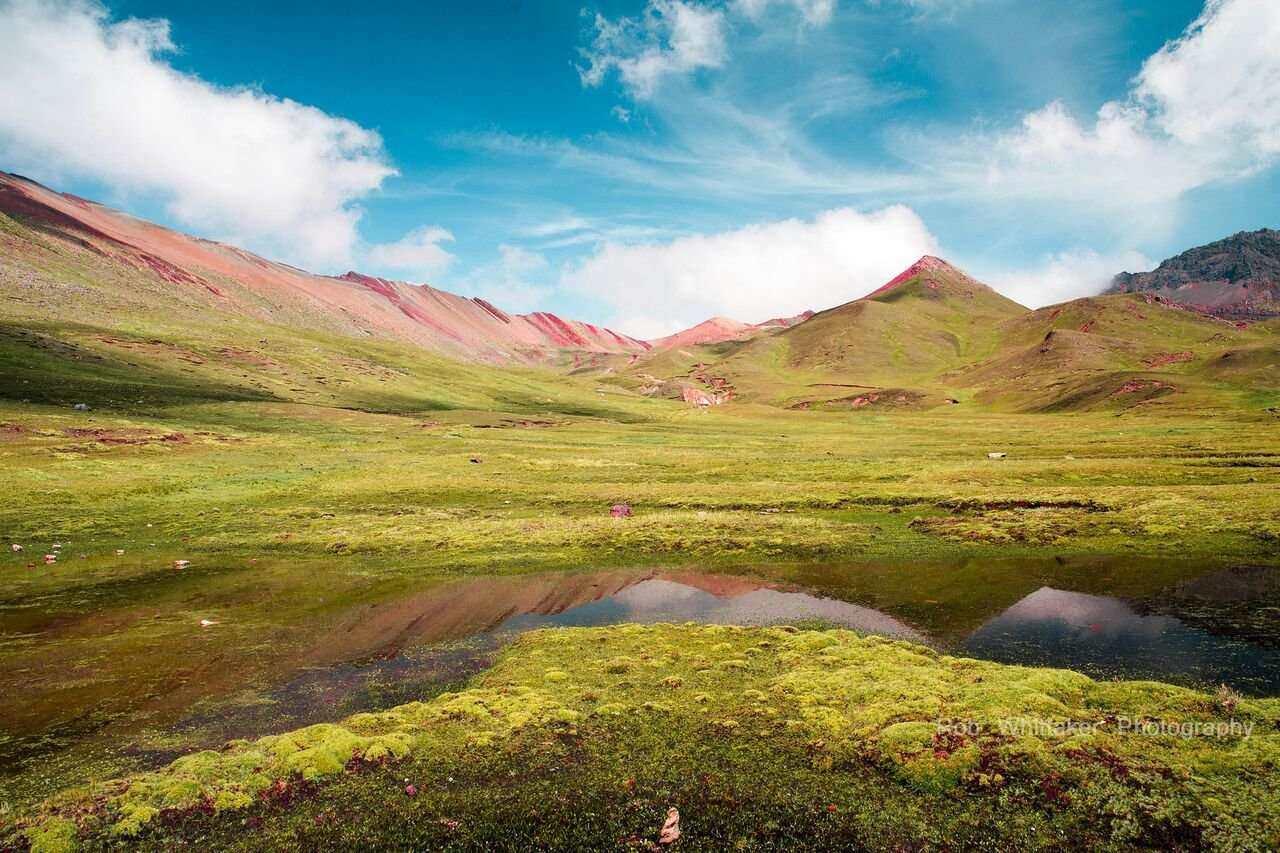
{"points": [[1105, 636]]}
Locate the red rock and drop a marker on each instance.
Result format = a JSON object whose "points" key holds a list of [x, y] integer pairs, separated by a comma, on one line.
{"points": [[620, 510]]}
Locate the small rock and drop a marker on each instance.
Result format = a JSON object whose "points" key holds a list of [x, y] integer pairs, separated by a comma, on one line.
{"points": [[997, 455], [670, 828], [50, 559], [205, 623], [15, 548], [181, 564], [80, 407], [620, 510], [119, 552], [411, 790]]}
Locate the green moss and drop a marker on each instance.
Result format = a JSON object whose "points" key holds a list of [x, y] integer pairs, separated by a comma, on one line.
{"points": [[55, 835], [831, 701]]}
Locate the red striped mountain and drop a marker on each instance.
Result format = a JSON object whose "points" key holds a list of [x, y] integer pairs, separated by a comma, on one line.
{"points": [[197, 275], [720, 329]]}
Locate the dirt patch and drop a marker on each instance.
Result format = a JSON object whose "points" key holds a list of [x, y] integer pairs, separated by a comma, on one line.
{"points": [[1161, 359], [101, 435], [1150, 387], [887, 398], [515, 423]]}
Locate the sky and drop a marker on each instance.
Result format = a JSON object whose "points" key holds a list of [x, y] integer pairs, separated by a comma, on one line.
{"points": [[647, 164]]}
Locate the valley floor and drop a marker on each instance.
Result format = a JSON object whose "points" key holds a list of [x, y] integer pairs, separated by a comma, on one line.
{"points": [[294, 517]]}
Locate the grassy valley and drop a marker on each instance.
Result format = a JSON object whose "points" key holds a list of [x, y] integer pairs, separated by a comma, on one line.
{"points": [[309, 478]]}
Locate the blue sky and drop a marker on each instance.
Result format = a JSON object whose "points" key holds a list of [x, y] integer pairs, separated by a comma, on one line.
{"points": [[652, 162]]}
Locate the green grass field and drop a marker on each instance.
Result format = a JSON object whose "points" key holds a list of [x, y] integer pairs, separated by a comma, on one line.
{"points": [[305, 476]]}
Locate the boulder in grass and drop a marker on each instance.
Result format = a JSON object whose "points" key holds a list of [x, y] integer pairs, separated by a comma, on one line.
{"points": [[620, 510], [15, 548], [181, 564], [997, 455], [50, 559]]}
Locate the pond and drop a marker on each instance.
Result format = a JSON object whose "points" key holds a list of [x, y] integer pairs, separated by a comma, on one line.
{"points": [[135, 680]]}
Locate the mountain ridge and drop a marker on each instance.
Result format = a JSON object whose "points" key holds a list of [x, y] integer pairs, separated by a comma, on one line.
{"points": [[241, 282], [1237, 276], [719, 329]]}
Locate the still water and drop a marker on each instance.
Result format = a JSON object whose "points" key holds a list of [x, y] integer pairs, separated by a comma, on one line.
{"points": [[142, 673]]}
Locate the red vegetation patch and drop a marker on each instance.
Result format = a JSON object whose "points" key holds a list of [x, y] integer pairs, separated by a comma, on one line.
{"points": [[1133, 386], [1169, 358]]}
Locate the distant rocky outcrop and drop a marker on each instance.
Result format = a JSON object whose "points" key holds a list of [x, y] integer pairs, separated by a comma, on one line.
{"points": [[1238, 277]]}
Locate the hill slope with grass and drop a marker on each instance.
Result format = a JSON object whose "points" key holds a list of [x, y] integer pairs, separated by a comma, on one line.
{"points": [[933, 336], [65, 258], [1124, 351]]}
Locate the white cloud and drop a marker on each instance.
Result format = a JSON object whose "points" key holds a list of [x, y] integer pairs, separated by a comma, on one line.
{"points": [[752, 273], [510, 281], [553, 227], [1065, 275], [945, 8], [86, 96], [417, 254], [816, 13], [1205, 108], [671, 37], [1219, 85]]}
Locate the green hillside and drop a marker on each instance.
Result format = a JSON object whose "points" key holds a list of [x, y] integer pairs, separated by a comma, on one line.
{"points": [[1123, 351], [936, 337]]}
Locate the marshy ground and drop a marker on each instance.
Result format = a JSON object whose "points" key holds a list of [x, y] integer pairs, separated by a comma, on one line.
{"points": [[346, 561]]}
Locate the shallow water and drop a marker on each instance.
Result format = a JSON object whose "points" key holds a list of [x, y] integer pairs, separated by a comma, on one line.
{"points": [[134, 677], [1228, 633]]}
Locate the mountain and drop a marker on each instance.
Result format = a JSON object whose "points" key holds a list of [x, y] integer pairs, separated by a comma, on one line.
{"points": [[1123, 351], [1236, 277], [933, 336], [719, 329], [104, 309], [926, 320], [187, 274]]}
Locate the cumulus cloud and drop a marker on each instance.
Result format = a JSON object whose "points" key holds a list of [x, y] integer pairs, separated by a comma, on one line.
{"points": [[752, 273], [417, 254], [87, 96], [1065, 275], [1219, 85], [1203, 109], [670, 37]]}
